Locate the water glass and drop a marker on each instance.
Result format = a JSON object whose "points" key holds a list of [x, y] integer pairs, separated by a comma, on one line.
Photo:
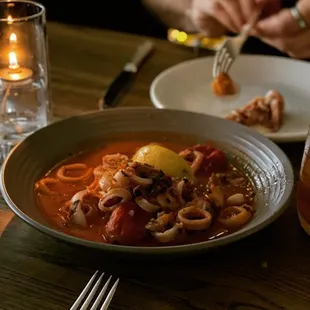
{"points": [[303, 190], [24, 79]]}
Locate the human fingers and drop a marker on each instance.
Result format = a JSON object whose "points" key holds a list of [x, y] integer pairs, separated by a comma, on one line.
{"points": [[295, 46], [269, 7], [210, 10], [283, 23], [247, 7], [203, 20], [217, 11], [234, 11], [209, 26]]}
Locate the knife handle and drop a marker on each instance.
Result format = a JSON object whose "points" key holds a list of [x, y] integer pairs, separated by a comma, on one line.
{"points": [[142, 51]]}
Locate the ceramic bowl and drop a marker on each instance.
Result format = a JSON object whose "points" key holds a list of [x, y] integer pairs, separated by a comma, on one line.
{"points": [[262, 160]]}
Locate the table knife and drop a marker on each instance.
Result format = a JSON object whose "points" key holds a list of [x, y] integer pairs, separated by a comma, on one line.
{"points": [[121, 83]]}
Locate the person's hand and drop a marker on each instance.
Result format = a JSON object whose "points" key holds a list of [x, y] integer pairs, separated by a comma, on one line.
{"points": [[217, 17], [282, 31]]}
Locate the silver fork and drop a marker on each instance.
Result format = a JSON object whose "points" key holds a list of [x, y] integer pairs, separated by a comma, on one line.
{"points": [[96, 304], [231, 47]]}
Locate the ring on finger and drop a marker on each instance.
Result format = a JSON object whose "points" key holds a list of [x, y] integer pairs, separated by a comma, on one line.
{"points": [[298, 17]]}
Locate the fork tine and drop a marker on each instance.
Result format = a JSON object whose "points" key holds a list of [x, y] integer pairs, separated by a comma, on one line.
{"points": [[233, 46], [217, 65], [223, 58], [217, 60], [100, 295], [214, 66], [91, 294], [226, 62], [84, 292], [110, 296]]}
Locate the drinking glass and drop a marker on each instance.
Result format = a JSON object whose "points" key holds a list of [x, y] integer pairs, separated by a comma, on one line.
{"points": [[24, 79], [303, 190]]}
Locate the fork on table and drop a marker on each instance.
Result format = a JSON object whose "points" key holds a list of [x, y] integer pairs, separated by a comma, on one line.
{"points": [[84, 301], [231, 47]]}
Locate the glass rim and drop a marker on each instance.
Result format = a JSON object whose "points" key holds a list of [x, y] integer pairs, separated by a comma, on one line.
{"points": [[26, 18]]}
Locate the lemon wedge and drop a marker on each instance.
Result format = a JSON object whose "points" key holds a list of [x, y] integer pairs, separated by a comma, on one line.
{"points": [[161, 158]]}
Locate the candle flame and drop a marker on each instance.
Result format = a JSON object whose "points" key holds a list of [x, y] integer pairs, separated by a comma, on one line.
{"points": [[13, 63], [13, 38], [10, 19]]}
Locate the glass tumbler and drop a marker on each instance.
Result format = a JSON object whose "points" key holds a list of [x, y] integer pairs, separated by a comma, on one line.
{"points": [[24, 79], [303, 190]]}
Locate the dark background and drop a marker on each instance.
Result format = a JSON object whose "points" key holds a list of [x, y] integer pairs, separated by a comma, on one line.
{"points": [[120, 15], [127, 16]]}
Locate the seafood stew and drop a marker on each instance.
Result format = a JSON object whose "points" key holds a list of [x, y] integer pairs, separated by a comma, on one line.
{"points": [[140, 193]]}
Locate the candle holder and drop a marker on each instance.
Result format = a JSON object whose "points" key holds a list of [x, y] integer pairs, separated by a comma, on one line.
{"points": [[24, 72]]}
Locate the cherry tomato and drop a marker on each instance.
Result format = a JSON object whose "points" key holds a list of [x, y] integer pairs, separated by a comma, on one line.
{"points": [[214, 160], [126, 225]]}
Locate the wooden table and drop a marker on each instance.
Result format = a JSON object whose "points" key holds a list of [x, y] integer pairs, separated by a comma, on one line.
{"points": [[267, 271]]}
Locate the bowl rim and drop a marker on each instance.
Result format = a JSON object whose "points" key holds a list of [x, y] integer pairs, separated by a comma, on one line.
{"points": [[158, 250]]}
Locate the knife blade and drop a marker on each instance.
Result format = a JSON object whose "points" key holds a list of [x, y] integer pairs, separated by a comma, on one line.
{"points": [[121, 83]]}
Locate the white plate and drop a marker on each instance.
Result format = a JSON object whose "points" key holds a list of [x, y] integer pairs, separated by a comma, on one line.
{"points": [[186, 86]]}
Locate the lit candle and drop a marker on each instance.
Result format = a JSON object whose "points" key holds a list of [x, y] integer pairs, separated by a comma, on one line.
{"points": [[13, 64], [13, 38], [10, 19], [14, 72]]}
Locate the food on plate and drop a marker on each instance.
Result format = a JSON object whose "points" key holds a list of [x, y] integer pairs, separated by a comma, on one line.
{"points": [[223, 85], [267, 111], [140, 194]]}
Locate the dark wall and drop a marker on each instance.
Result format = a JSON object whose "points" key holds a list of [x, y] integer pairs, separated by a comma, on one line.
{"points": [[120, 15]]}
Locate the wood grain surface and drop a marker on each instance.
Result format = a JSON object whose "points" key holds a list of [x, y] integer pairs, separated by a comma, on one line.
{"points": [[267, 271]]}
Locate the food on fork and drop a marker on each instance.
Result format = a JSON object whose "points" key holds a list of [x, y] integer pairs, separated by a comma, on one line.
{"points": [[223, 85], [148, 195], [267, 111]]}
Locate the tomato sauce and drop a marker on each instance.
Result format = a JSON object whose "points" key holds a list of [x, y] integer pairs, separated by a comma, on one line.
{"points": [[51, 205]]}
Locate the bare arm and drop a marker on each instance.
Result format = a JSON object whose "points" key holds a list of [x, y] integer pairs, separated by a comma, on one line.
{"points": [[173, 13]]}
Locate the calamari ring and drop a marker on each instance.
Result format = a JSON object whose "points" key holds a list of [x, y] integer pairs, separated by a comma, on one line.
{"points": [[62, 170], [194, 218], [121, 194], [196, 162], [198, 159], [168, 235], [146, 205], [234, 217], [42, 186]]}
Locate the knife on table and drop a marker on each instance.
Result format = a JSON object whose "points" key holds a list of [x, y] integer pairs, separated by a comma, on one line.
{"points": [[121, 83]]}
